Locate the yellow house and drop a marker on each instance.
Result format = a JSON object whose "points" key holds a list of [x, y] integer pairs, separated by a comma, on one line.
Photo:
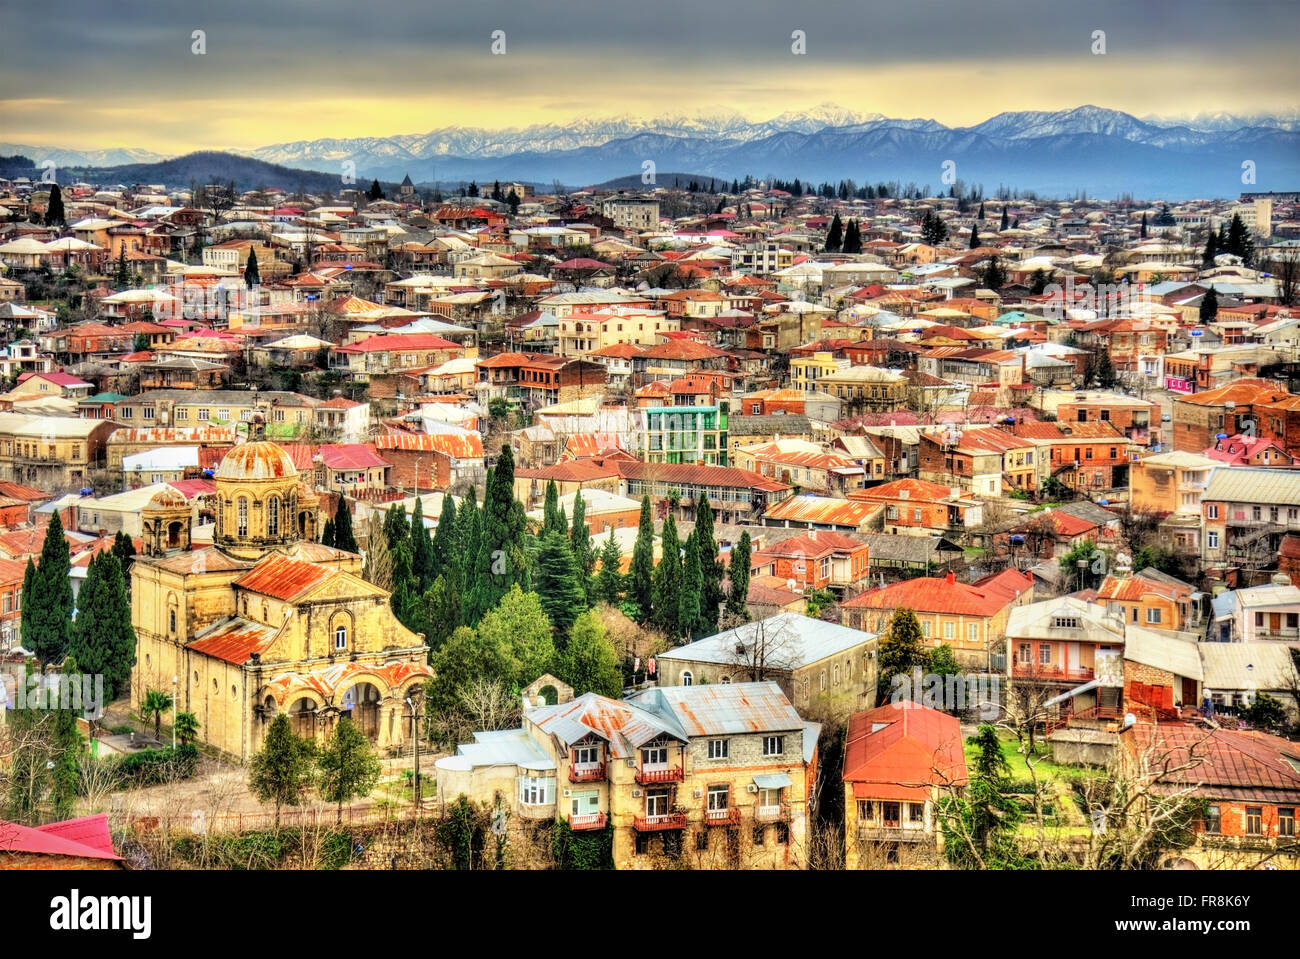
{"points": [[807, 372], [266, 620]]}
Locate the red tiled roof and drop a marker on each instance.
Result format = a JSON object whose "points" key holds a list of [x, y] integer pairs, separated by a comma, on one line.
{"points": [[914, 748], [934, 595], [351, 456], [1245, 766], [281, 577]]}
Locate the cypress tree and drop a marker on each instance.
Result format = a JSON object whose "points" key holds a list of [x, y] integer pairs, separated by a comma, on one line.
{"points": [[1211, 249], [1209, 306], [252, 277], [444, 537], [397, 527], [551, 508], [665, 596], [54, 215], [1142, 230], [102, 639], [404, 599], [123, 278], [559, 585], [422, 563], [501, 561], [981, 213], [738, 596], [835, 236], [640, 577], [584, 554], [344, 538], [974, 237], [1006, 220], [469, 532], [852, 238], [692, 594], [327, 533], [47, 611], [712, 596], [609, 582]]}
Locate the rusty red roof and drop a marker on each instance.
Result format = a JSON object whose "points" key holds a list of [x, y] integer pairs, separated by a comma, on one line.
{"points": [[283, 578], [903, 748], [234, 640]]}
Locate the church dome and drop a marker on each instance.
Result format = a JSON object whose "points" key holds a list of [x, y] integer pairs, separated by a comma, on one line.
{"points": [[260, 460]]}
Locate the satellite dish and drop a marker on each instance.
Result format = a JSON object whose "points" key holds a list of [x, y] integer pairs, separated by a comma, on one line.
{"points": [[1129, 720]]}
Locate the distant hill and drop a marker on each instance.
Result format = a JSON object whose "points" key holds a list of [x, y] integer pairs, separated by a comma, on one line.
{"points": [[634, 182], [211, 166]]}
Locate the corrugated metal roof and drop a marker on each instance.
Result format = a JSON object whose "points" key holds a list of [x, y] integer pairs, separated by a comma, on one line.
{"points": [[801, 640], [233, 640], [284, 578], [825, 510], [1245, 484], [903, 745], [723, 708], [1242, 666]]}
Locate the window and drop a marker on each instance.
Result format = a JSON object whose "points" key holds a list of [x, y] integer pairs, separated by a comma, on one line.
{"points": [[773, 745], [1254, 820], [1212, 540], [916, 515], [866, 810], [536, 790], [687, 678], [1212, 511], [823, 681], [147, 412], [171, 620], [702, 841], [718, 748], [972, 632], [760, 833], [1286, 821], [1256, 513], [949, 630], [203, 414], [656, 802], [273, 516], [586, 755], [340, 637], [1026, 654], [585, 803], [654, 756], [769, 797], [1212, 820], [1153, 615], [916, 812], [1045, 655], [927, 628], [719, 797], [242, 510]]}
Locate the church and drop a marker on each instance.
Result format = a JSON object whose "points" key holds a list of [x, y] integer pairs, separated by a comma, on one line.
{"points": [[267, 620]]}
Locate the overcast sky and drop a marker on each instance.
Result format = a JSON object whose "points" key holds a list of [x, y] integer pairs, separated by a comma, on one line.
{"points": [[86, 74]]}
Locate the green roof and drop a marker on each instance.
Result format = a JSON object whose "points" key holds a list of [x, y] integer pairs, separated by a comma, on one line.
{"points": [[104, 398]]}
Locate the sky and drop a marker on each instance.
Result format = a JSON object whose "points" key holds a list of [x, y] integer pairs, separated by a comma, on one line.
{"points": [[88, 74]]}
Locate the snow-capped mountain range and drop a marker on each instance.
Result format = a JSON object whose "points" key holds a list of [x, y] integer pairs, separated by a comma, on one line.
{"points": [[1100, 150]]}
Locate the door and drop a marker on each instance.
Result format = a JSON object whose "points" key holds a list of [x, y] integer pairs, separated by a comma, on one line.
{"points": [[1275, 623], [1189, 692]]}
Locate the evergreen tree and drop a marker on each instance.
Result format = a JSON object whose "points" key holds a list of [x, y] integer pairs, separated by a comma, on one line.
{"points": [[1211, 249], [469, 534], [281, 771], [640, 577], [123, 277], [559, 584], [981, 213], [47, 606], [689, 620], [501, 562], [124, 550], [1221, 239], [405, 597], [1142, 230], [551, 508], [496, 190], [54, 215], [853, 238], [67, 748], [589, 663], [349, 768], [711, 597], [252, 276], [584, 553], [444, 537], [609, 582], [376, 192], [835, 236], [665, 596], [343, 536], [933, 230], [995, 274], [422, 562], [1209, 306], [442, 609], [974, 237], [901, 648], [102, 638], [1106, 377], [1039, 282], [1006, 220], [327, 533], [519, 626], [1240, 242], [980, 827], [738, 595], [397, 527]]}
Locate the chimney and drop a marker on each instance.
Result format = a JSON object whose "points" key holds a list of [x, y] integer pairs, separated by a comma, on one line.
{"points": [[812, 535], [951, 577]]}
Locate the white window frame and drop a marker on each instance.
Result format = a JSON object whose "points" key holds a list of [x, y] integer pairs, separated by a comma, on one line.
{"points": [[773, 745], [719, 748]]}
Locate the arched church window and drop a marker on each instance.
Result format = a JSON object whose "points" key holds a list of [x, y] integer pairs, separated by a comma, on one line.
{"points": [[243, 516], [273, 516]]}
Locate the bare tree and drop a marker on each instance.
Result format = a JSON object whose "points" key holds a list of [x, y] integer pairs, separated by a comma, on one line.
{"points": [[1025, 704], [487, 705], [1285, 267], [765, 650]]}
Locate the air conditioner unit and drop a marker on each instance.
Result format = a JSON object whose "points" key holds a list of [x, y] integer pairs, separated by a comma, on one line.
{"points": [[698, 794], [636, 794], [568, 793], [631, 763], [751, 788]]}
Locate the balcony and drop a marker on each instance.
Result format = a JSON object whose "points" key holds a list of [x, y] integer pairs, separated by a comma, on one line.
{"points": [[586, 821], [891, 832], [1037, 671], [537, 810], [586, 772], [648, 775], [722, 817], [672, 820], [778, 813]]}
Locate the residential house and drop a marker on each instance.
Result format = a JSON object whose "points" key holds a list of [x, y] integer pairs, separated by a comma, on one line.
{"points": [[353, 469], [1247, 514], [816, 560], [51, 452], [1258, 614], [915, 507]]}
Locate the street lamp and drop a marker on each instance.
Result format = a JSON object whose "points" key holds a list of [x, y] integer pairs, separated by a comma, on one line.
{"points": [[415, 746], [175, 680]]}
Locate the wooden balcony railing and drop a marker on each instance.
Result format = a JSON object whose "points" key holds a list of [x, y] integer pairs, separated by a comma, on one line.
{"points": [[722, 817], [594, 820], [1038, 671], [586, 772], [890, 833], [672, 820], [658, 774]]}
